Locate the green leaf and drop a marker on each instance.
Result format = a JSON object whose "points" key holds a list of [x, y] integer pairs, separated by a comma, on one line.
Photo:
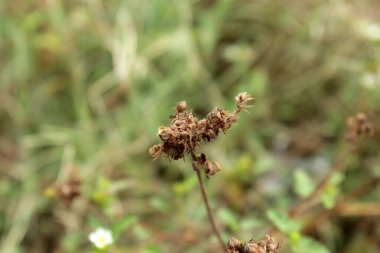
{"points": [[284, 223], [330, 193], [123, 225], [303, 185], [308, 245]]}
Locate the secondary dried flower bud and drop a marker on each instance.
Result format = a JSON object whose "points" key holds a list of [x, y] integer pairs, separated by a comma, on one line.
{"points": [[155, 151], [357, 126], [165, 133], [270, 245], [242, 100], [252, 247], [234, 244], [202, 158], [211, 168], [181, 106], [68, 190], [361, 117]]}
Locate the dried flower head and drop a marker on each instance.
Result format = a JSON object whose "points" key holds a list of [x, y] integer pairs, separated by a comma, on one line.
{"points": [[357, 126], [242, 100], [68, 190], [186, 132], [234, 244], [266, 245]]}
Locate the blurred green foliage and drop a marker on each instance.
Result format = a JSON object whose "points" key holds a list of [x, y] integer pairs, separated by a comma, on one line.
{"points": [[84, 86]]}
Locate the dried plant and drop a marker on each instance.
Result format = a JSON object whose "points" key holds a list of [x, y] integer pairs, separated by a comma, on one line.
{"points": [[68, 190], [266, 245], [357, 126], [186, 132]]}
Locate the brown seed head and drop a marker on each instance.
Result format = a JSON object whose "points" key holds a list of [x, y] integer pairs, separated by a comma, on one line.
{"points": [[361, 117], [270, 245], [357, 126], [234, 244], [252, 247]]}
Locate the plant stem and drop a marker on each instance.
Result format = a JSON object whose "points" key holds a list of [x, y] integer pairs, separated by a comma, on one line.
{"points": [[205, 200]]}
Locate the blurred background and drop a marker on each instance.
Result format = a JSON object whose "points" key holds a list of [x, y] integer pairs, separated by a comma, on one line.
{"points": [[84, 86]]}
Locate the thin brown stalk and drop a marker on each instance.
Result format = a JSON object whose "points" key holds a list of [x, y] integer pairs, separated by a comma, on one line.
{"points": [[206, 202]]}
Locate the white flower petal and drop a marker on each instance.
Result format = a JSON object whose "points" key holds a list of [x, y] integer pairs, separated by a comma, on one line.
{"points": [[101, 238]]}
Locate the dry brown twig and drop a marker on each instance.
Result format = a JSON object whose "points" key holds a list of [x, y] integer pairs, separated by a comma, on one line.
{"points": [[186, 132]]}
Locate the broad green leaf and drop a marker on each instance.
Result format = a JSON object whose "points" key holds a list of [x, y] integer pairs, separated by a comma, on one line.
{"points": [[284, 223], [303, 185], [308, 245]]}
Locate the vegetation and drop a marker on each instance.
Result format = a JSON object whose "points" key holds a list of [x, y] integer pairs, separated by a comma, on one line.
{"points": [[84, 86]]}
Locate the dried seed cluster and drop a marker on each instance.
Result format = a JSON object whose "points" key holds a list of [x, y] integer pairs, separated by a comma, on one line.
{"points": [[357, 126], [267, 245], [68, 190], [186, 131]]}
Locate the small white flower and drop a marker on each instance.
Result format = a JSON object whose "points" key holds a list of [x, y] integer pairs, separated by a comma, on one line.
{"points": [[101, 238]]}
